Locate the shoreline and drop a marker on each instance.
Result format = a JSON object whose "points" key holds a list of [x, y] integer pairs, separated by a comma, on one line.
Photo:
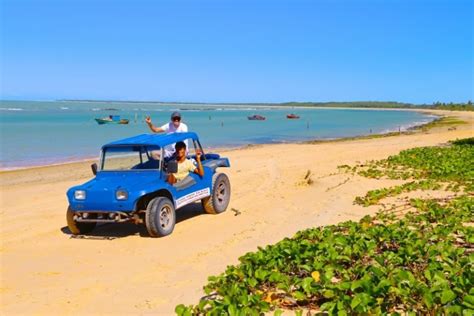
{"points": [[414, 126]]}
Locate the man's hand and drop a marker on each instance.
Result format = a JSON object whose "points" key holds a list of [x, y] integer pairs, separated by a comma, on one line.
{"points": [[199, 170], [152, 127], [198, 154]]}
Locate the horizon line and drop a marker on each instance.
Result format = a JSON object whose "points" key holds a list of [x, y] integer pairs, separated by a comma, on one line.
{"points": [[225, 102]]}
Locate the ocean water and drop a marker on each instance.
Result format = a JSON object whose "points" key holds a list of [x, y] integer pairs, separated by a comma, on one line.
{"points": [[41, 133]]}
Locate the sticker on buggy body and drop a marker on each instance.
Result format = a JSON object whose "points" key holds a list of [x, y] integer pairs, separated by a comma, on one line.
{"points": [[191, 197]]}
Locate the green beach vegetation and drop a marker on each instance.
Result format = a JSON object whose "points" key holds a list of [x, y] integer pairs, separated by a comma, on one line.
{"points": [[430, 168], [440, 122], [417, 263]]}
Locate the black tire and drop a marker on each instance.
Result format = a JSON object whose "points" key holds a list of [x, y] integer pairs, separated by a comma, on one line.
{"points": [[78, 228], [220, 195], [160, 217]]}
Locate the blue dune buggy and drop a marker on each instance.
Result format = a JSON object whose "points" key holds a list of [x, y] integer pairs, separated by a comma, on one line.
{"points": [[130, 185]]}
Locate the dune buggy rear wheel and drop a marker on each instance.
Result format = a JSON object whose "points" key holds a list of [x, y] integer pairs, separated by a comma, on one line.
{"points": [[78, 228], [160, 217], [220, 195]]}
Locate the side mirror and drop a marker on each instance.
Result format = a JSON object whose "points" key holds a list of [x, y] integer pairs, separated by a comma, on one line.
{"points": [[94, 168], [172, 166]]}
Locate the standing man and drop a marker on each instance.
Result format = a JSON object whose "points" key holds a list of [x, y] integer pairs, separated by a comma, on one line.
{"points": [[174, 126]]}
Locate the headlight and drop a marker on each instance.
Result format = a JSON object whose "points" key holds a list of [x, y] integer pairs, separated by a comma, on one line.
{"points": [[80, 195], [121, 195]]}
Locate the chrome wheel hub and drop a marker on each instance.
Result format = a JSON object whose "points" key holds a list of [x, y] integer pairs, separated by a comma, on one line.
{"points": [[165, 217], [221, 192]]}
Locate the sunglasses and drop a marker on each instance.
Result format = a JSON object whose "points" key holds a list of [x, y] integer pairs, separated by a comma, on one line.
{"points": [[176, 119]]}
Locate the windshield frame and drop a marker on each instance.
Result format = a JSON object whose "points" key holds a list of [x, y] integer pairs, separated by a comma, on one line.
{"points": [[143, 149]]}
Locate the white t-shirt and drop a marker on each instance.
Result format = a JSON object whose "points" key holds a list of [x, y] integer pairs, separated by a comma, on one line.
{"points": [[169, 128]]}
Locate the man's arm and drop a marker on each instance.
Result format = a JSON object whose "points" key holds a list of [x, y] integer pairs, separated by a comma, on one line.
{"points": [[199, 170], [171, 179], [152, 127]]}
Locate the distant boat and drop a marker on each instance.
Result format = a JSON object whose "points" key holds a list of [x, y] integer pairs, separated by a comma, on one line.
{"points": [[292, 116], [111, 119], [256, 117]]}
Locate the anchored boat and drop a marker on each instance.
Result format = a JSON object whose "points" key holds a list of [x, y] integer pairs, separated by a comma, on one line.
{"points": [[256, 117], [111, 119], [292, 116]]}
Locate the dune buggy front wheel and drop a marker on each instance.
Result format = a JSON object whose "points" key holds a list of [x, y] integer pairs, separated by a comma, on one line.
{"points": [[160, 217], [78, 228]]}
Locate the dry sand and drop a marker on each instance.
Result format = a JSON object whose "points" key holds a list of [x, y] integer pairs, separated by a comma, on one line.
{"points": [[122, 271]]}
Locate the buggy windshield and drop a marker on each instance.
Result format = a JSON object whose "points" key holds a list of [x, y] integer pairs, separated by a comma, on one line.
{"points": [[131, 158]]}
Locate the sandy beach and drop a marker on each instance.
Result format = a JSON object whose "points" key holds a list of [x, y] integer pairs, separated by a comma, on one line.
{"points": [[120, 270]]}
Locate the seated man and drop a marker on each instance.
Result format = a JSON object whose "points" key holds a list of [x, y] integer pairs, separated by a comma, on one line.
{"points": [[185, 166]]}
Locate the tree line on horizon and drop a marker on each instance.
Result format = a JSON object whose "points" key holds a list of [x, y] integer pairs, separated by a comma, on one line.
{"points": [[468, 106]]}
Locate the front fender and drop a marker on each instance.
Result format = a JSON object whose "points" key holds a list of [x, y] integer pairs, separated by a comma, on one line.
{"points": [[213, 164]]}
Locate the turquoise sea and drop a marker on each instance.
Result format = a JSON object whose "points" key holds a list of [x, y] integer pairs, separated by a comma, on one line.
{"points": [[41, 133]]}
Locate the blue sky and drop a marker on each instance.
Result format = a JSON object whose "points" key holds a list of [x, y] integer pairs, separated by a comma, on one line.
{"points": [[238, 51]]}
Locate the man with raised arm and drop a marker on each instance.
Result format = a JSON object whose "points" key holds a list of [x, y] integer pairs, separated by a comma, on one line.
{"points": [[174, 126]]}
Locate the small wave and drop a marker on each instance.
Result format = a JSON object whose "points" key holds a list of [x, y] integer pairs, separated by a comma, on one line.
{"points": [[104, 109], [243, 109], [418, 123], [414, 125], [209, 109], [12, 109], [147, 110], [407, 127], [64, 108]]}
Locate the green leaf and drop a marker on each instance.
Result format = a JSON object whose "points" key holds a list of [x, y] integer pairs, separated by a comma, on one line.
{"points": [[428, 299], [447, 296], [468, 301], [252, 282], [355, 301], [278, 312], [232, 310], [328, 294], [453, 310], [341, 313], [299, 295], [306, 284], [328, 306], [468, 312], [356, 284], [180, 309]]}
